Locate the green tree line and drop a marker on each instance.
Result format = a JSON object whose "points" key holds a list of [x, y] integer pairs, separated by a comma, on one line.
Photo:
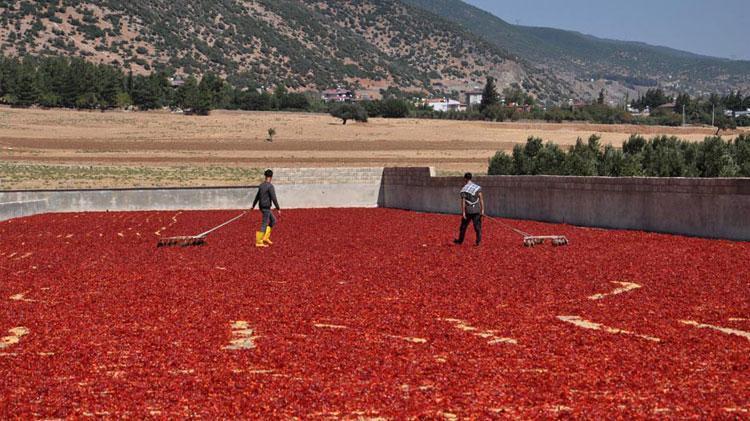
{"points": [[660, 156], [76, 83]]}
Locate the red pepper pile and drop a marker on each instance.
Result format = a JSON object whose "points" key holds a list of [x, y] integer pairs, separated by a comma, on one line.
{"points": [[365, 313]]}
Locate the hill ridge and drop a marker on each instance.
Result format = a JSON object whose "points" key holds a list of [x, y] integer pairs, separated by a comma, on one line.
{"points": [[427, 45]]}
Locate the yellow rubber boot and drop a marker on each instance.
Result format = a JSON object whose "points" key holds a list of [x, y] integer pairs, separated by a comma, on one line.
{"points": [[259, 240], [267, 236]]}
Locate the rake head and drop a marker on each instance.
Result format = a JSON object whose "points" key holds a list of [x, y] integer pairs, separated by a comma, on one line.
{"points": [[557, 240], [181, 241]]}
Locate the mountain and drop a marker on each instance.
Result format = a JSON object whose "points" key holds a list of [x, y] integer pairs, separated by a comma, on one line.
{"points": [[579, 58], [428, 45], [371, 44]]}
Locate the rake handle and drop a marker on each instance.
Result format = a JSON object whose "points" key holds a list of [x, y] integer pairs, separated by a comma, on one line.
{"points": [[221, 226], [517, 231]]}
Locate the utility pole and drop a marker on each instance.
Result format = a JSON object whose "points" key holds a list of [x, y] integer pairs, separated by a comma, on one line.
{"points": [[713, 115], [683, 115]]}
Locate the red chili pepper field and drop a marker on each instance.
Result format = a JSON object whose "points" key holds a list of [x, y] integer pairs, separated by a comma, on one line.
{"points": [[366, 313]]}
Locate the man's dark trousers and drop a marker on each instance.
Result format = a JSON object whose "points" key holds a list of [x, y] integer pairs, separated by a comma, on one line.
{"points": [[476, 220], [268, 220]]}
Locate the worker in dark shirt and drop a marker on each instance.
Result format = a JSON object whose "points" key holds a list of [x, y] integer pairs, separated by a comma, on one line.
{"points": [[472, 209], [265, 197]]}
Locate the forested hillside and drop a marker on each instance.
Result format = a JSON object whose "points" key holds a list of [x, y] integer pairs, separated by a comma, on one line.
{"points": [[301, 44], [428, 45]]}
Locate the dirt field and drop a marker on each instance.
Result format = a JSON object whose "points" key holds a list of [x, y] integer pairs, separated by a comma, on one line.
{"points": [[61, 148]]}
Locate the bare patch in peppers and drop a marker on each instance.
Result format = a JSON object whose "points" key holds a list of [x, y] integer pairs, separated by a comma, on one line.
{"points": [[242, 336], [725, 330], [15, 336], [484, 334], [585, 324], [624, 287]]}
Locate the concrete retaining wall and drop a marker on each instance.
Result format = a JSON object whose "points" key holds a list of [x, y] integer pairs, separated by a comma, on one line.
{"points": [[715, 208], [296, 188], [18, 209]]}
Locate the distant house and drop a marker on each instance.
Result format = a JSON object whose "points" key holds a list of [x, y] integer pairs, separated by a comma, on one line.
{"points": [[637, 112], [445, 105], [338, 95], [526, 108], [176, 81], [667, 107], [473, 98]]}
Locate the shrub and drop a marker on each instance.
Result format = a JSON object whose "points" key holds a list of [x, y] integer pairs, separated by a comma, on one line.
{"points": [[372, 107], [661, 156], [294, 101], [583, 158], [254, 101], [501, 164], [394, 108], [123, 100], [742, 154], [493, 113]]}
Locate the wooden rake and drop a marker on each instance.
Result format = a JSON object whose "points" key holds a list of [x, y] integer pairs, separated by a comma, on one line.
{"points": [[194, 240], [534, 240]]}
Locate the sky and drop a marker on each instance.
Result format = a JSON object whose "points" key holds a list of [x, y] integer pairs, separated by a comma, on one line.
{"points": [[711, 27]]}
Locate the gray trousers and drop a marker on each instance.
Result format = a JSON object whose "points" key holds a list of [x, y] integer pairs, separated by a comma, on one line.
{"points": [[269, 220]]}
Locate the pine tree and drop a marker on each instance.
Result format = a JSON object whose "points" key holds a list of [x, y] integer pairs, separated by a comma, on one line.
{"points": [[215, 86], [489, 95], [279, 96], [186, 93], [25, 95], [129, 83], [109, 87], [26, 90], [204, 101], [8, 80]]}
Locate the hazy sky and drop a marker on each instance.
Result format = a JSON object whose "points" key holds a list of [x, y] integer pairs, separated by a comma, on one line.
{"points": [[712, 27]]}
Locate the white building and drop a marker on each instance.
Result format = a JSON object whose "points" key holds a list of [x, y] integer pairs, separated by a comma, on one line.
{"points": [[338, 95], [473, 98], [441, 104], [737, 114], [636, 112]]}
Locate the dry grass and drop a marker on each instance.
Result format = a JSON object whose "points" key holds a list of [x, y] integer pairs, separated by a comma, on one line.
{"points": [[62, 148], [18, 176]]}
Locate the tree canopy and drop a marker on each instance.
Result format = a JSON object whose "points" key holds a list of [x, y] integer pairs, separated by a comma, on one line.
{"points": [[489, 95], [661, 156], [347, 111]]}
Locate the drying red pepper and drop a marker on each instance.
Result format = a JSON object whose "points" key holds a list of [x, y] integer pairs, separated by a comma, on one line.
{"points": [[359, 313]]}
